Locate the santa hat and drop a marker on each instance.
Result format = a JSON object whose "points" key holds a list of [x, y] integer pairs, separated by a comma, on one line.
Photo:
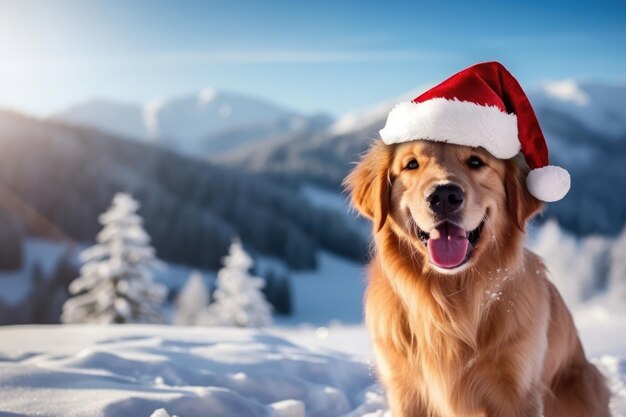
{"points": [[482, 105]]}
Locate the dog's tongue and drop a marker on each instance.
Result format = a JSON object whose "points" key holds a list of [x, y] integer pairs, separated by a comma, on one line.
{"points": [[447, 245]]}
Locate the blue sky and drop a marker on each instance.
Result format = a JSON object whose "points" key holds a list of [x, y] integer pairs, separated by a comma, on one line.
{"points": [[311, 56]]}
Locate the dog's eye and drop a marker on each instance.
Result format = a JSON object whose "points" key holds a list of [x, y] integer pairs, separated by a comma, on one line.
{"points": [[475, 162], [412, 164]]}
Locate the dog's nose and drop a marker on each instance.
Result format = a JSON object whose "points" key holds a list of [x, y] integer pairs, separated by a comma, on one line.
{"points": [[445, 199]]}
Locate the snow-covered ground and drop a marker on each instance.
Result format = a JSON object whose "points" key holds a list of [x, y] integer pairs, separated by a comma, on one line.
{"points": [[133, 370]]}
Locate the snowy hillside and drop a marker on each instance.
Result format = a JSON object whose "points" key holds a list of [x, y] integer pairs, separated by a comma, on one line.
{"points": [[197, 124], [131, 371], [192, 207]]}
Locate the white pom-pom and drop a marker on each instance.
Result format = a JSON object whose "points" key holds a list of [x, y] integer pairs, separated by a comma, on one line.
{"points": [[549, 183]]}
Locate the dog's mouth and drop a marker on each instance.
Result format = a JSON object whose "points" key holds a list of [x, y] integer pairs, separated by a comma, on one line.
{"points": [[450, 246]]}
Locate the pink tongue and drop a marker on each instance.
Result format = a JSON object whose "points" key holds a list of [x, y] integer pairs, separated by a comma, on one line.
{"points": [[447, 245]]}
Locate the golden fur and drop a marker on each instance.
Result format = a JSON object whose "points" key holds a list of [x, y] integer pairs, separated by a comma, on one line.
{"points": [[492, 338]]}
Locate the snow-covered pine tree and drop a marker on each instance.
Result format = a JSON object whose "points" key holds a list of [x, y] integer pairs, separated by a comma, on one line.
{"points": [[115, 285], [239, 299], [193, 298]]}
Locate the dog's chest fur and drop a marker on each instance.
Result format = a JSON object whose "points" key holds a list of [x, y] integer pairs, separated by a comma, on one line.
{"points": [[439, 338]]}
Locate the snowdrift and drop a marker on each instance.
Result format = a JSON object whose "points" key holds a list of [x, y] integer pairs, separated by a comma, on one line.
{"points": [[118, 371], [144, 370]]}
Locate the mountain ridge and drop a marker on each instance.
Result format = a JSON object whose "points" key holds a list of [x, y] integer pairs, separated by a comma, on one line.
{"points": [[594, 157], [189, 123], [192, 208]]}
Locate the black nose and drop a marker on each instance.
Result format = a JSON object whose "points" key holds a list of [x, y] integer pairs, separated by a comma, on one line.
{"points": [[446, 199]]}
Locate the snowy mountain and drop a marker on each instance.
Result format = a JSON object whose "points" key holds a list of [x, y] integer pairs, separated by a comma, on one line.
{"points": [[122, 119], [186, 120], [196, 124], [585, 125], [599, 108]]}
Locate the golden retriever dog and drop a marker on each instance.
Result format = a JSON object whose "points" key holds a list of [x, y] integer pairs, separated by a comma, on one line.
{"points": [[463, 319]]}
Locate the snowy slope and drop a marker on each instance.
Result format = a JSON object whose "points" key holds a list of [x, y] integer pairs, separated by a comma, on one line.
{"points": [[74, 371], [120, 371]]}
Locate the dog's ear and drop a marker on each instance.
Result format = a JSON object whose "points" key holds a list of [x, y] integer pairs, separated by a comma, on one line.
{"points": [[521, 204], [369, 185]]}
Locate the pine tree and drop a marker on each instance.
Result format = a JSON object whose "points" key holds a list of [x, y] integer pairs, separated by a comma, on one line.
{"points": [[239, 299], [193, 298], [116, 283]]}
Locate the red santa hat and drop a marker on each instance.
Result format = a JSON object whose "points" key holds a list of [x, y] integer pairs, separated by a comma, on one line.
{"points": [[482, 105]]}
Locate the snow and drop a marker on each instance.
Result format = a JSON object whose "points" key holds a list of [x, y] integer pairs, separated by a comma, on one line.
{"points": [[567, 91], [161, 412], [139, 370], [617, 275], [600, 108], [123, 119], [190, 118], [185, 118], [193, 298], [239, 300], [578, 267], [134, 370], [194, 124]]}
